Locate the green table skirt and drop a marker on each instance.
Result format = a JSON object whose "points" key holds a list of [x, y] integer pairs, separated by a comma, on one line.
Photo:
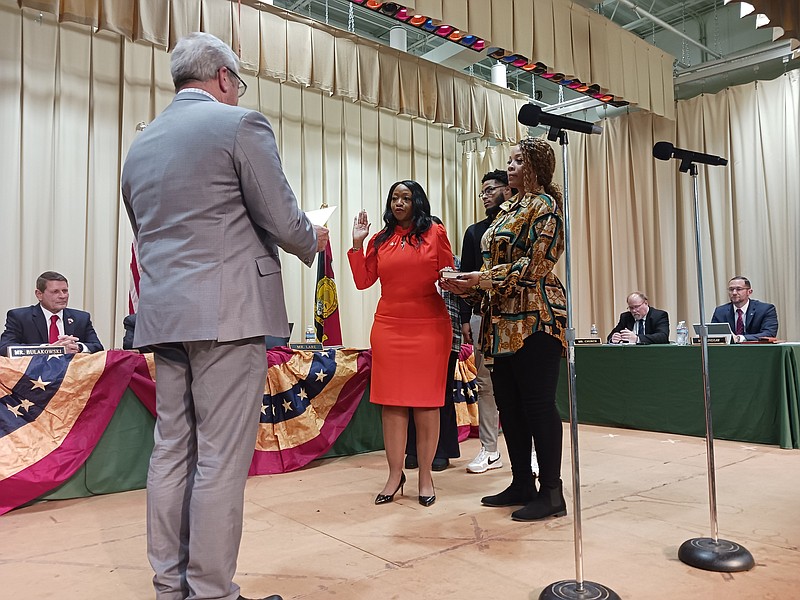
{"points": [[754, 390]]}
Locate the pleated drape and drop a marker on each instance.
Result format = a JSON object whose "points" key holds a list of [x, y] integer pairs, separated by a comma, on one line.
{"points": [[633, 217], [288, 47], [569, 39], [71, 99], [70, 103], [560, 33]]}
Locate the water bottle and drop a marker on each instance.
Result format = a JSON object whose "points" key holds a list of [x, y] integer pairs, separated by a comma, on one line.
{"points": [[311, 335], [683, 334], [593, 332]]}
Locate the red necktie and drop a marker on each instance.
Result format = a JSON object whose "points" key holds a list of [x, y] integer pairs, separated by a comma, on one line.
{"points": [[739, 322], [53, 329]]}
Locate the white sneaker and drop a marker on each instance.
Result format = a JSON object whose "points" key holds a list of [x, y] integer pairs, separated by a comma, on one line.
{"points": [[485, 461], [534, 462]]}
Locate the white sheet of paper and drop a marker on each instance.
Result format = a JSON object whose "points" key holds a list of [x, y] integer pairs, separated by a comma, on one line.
{"points": [[320, 216]]}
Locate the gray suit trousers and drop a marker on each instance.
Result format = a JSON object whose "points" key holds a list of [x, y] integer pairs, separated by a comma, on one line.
{"points": [[208, 398], [488, 419]]}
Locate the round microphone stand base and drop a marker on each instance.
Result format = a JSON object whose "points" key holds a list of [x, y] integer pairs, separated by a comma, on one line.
{"points": [[721, 556], [569, 590]]}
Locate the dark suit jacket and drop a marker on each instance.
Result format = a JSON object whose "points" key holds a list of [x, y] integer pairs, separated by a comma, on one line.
{"points": [[761, 319], [656, 324], [129, 323], [27, 326], [472, 260]]}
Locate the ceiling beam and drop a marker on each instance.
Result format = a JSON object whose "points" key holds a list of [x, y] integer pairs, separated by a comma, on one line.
{"points": [[741, 60], [669, 27]]}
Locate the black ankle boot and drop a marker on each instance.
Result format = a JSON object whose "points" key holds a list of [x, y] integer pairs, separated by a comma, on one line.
{"points": [[549, 502], [517, 494]]}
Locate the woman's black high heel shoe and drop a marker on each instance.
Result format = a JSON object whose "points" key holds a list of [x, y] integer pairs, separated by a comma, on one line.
{"points": [[386, 498], [427, 500]]}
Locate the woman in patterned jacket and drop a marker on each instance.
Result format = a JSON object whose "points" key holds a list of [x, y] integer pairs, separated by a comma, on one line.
{"points": [[524, 322]]}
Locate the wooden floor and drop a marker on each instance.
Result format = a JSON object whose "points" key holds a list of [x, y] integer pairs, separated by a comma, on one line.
{"points": [[315, 534]]}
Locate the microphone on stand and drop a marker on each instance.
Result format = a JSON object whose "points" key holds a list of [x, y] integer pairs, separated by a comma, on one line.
{"points": [[533, 116], [666, 151]]}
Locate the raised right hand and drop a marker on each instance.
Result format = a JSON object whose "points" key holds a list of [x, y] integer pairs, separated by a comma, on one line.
{"points": [[360, 228]]}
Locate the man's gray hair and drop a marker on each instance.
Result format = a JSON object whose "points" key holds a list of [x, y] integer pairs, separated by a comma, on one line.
{"points": [[198, 57]]}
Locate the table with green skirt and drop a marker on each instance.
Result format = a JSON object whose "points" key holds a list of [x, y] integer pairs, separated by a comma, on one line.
{"points": [[755, 390]]}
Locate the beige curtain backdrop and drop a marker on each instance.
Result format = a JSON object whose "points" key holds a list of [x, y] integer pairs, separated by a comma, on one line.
{"points": [[71, 99], [282, 45], [633, 216], [565, 36], [570, 39], [70, 102]]}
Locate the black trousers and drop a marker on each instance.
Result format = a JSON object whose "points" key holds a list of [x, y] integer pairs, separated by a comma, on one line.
{"points": [[525, 391], [448, 428]]}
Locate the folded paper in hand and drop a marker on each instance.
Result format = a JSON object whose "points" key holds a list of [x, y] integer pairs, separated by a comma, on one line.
{"points": [[320, 216]]}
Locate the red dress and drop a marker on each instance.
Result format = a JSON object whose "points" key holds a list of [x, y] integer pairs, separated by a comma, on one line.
{"points": [[411, 334]]}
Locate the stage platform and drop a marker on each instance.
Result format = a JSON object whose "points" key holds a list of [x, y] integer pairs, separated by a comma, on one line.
{"points": [[315, 534]]}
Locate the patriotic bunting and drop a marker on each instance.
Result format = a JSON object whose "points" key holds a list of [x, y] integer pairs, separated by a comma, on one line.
{"points": [[53, 410], [465, 392], [309, 399]]}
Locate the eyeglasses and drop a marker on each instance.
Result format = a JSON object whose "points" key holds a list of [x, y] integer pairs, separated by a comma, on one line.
{"points": [[242, 84], [633, 307], [737, 289], [489, 191]]}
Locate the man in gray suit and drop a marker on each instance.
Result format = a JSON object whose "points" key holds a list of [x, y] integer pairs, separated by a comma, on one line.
{"points": [[210, 205]]}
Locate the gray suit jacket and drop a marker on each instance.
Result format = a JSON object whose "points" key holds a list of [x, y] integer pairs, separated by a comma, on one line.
{"points": [[210, 205]]}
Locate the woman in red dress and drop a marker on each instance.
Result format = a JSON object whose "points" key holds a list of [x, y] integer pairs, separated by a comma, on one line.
{"points": [[411, 333]]}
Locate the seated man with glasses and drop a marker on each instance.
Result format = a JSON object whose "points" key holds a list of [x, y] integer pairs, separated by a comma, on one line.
{"points": [[749, 319], [641, 323]]}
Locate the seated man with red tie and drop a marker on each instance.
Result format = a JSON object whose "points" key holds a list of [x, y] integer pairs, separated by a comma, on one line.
{"points": [[750, 320], [641, 323], [50, 321]]}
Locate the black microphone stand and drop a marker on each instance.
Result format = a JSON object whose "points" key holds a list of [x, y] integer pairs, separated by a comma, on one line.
{"points": [[711, 554], [578, 588]]}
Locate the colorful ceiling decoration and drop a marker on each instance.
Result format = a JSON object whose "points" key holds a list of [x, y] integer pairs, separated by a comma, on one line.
{"points": [[435, 27], [543, 71], [405, 15]]}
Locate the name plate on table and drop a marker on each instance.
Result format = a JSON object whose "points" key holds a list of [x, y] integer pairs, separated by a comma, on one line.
{"points": [[21, 351], [713, 340], [310, 346], [587, 341]]}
